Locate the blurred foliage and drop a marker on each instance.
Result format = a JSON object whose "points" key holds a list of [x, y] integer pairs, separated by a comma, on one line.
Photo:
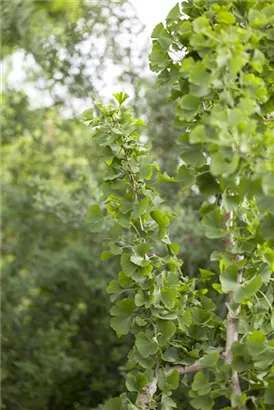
{"points": [[73, 42], [58, 350]]}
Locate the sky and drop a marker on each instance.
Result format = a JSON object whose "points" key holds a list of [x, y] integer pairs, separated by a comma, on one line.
{"points": [[152, 12]]}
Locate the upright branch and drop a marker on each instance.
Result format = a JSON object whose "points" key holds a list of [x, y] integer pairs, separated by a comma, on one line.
{"points": [[232, 316], [151, 296]]}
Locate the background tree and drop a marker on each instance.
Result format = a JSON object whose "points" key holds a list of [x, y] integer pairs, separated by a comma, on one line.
{"points": [[55, 316], [73, 43]]}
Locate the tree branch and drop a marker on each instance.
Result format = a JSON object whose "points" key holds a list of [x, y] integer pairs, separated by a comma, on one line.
{"points": [[146, 394], [192, 368], [232, 320]]}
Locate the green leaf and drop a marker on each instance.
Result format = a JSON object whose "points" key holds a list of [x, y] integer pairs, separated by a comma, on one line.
{"points": [[258, 60], [187, 107], [185, 177], [121, 97], [200, 384], [123, 308], [171, 355], [265, 202], [122, 311], [167, 403], [113, 287], [87, 115], [157, 30], [167, 382], [174, 248], [193, 156], [200, 316], [185, 320], [220, 166], [126, 264], [161, 219], [174, 13], [106, 255], [210, 359], [229, 279], [140, 123], [206, 274], [131, 406], [269, 392], [142, 207], [256, 343], [165, 177], [139, 299], [142, 249], [201, 25], [208, 184], [146, 363], [198, 135], [168, 296], [189, 103], [212, 222], [139, 260], [225, 17], [145, 346], [159, 59], [241, 360], [268, 257], [184, 30], [135, 381], [113, 404], [147, 172], [202, 403], [217, 287], [120, 325], [248, 289], [95, 218], [267, 227], [199, 75], [165, 40], [173, 380], [237, 401], [167, 330], [230, 202]]}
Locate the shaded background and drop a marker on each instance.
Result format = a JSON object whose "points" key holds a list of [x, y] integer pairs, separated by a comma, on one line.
{"points": [[58, 351]]}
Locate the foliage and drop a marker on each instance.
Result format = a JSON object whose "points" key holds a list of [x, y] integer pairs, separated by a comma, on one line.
{"points": [[158, 111], [55, 309], [222, 83]]}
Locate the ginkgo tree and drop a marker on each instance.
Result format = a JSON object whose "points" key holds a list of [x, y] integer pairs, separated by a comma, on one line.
{"points": [[217, 57]]}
